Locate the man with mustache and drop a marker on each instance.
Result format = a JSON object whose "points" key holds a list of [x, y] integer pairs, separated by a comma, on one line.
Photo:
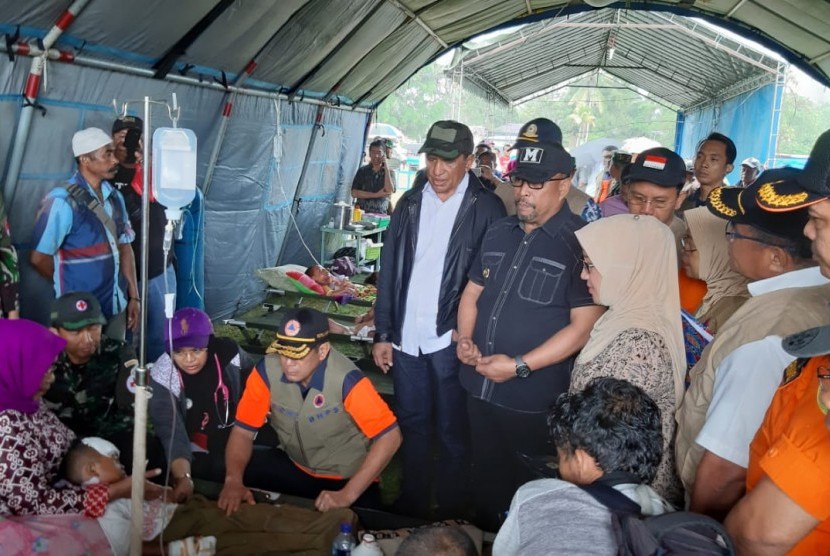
{"points": [[431, 243], [82, 235], [523, 316]]}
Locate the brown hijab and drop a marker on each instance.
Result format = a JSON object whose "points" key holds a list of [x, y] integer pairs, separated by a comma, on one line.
{"points": [[707, 231], [637, 259]]}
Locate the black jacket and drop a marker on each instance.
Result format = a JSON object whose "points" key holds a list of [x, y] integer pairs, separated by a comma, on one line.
{"points": [[478, 210]]}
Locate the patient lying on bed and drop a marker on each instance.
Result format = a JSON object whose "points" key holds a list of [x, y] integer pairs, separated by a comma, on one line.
{"points": [[332, 285], [336, 287]]}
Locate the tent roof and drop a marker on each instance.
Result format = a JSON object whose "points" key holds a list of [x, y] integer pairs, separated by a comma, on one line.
{"points": [[359, 52], [680, 60]]}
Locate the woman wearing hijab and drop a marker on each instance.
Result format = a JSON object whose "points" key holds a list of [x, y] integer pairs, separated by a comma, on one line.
{"points": [[197, 385], [34, 440], [630, 266], [705, 256]]}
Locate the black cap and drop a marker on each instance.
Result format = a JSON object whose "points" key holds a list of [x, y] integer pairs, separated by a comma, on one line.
{"points": [[811, 186], [541, 162], [540, 130], [739, 205], [448, 139], [300, 331], [809, 343], [127, 122], [76, 310], [660, 166]]}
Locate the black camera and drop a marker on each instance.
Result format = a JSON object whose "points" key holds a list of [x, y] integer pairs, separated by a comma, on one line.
{"points": [[131, 144]]}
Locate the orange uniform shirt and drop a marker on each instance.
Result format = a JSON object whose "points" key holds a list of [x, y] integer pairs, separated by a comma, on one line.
{"points": [[362, 402], [691, 292], [792, 448]]}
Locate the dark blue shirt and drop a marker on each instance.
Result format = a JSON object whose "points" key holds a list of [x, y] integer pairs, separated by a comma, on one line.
{"points": [[531, 283]]}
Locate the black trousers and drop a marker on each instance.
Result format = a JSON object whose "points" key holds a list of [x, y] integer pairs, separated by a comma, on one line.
{"points": [[498, 434]]}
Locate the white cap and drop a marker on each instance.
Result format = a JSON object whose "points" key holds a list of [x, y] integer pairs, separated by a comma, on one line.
{"points": [[89, 140], [752, 162], [103, 447]]}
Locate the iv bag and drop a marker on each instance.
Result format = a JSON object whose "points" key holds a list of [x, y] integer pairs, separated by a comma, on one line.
{"points": [[174, 168]]}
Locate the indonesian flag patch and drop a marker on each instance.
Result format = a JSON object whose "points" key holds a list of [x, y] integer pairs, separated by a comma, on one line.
{"points": [[655, 162]]}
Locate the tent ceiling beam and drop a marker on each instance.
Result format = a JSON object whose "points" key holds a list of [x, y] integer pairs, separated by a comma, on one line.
{"points": [[735, 8], [414, 17], [718, 45], [474, 76], [547, 28], [819, 58], [176, 78], [168, 60]]}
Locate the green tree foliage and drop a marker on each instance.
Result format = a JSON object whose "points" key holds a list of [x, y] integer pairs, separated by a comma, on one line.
{"points": [[802, 121]]}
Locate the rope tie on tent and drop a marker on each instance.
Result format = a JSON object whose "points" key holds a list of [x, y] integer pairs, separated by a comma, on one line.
{"points": [[36, 105], [10, 41], [223, 81]]}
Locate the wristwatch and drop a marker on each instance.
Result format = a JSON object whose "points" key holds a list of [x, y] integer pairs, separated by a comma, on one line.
{"points": [[522, 370]]}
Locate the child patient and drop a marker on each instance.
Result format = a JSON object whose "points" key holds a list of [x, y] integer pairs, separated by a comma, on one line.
{"points": [[332, 285], [94, 460]]}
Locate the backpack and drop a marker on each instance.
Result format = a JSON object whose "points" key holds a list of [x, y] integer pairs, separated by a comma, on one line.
{"points": [[658, 535]]}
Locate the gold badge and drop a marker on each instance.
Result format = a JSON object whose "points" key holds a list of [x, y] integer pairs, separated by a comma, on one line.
{"points": [[793, 370], [771, 198], [486, 273], [716, 202], [532, 132]]}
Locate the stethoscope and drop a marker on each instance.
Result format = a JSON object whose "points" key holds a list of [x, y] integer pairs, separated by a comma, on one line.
{"points": [[221, 391]]}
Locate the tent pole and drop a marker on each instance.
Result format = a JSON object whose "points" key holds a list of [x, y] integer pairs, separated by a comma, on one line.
{"points": [[30, 94], [295, 206], [230, 97], [176, 78], [141, 390]]}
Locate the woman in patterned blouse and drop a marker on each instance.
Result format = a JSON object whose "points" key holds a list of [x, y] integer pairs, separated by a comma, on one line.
{"points": [[34, 441], [630, 266]]}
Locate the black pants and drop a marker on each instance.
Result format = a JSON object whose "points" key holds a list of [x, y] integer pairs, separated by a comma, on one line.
{"points": [[285, 477], [498, 434]]}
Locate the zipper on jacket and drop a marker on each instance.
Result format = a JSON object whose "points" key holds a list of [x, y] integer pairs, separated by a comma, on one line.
{"points": [[300, 442]]}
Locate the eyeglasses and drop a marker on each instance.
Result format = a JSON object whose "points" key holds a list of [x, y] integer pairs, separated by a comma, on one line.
{"points": [[587, 265], [191, 353], [824, 377], [732, 235], [687, 245], [638, 200], [518, 182]]}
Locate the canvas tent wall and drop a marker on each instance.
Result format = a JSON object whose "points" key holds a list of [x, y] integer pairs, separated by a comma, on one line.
{"points": [[248, 207]]}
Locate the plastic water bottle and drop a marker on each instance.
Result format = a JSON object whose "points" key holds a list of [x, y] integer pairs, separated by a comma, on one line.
{"points": [[174, 168], [368, 547], [343, 543]]}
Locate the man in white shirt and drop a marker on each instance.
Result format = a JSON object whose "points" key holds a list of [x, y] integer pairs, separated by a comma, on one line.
{"points": [[733, 383], [430, 245]]}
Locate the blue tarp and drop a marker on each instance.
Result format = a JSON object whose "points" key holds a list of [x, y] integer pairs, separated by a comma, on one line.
{"points": [[748, 119]]}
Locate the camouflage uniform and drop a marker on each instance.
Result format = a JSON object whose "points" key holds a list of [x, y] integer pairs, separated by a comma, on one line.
{"points": [[93, 399], [9, 274]]}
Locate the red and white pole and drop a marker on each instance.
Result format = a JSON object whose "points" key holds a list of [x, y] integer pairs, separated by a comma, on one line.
{"points": [[30, 94], [227, 108]]}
